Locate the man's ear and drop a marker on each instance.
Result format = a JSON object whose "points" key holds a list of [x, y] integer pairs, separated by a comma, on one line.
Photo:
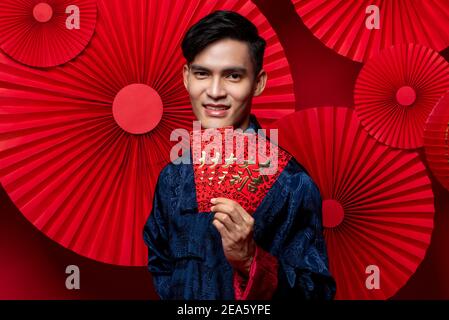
{"points": [[185, 75], [261, 81]]}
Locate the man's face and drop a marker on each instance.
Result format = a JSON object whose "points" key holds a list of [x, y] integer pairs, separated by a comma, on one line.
{"points": [[221, 84]]}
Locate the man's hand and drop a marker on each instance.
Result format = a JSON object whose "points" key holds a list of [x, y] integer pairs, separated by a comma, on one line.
{"points": [[236, 229]]}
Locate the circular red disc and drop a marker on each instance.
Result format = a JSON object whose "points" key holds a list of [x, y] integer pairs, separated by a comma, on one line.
{"points": [[406, 96], [333, 213], [137, 108], [42, 12]]}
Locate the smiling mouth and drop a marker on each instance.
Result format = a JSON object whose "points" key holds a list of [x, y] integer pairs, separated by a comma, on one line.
{"points": [[216, 110], [213, 107]]}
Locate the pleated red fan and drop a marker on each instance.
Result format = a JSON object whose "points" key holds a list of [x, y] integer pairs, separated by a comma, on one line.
{"points": [[396, 91], [81, 145], [377, 202], [46, 33], [436, 141], [347, 26]]}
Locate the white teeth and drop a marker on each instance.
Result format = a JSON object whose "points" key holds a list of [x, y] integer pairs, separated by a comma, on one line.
{"points": [[216, 108]]}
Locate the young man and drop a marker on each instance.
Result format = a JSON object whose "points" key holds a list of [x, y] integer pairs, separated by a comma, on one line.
{"points": [[278, 251]]}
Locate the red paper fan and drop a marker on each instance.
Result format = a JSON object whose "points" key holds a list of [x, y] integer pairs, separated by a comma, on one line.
{"points": [[436, 141], [81, 146], [347, 26], [46, 33], [396, 91], [377, 201]]}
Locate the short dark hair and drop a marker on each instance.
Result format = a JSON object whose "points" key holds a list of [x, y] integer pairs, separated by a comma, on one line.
{"points": [[220, 25]]}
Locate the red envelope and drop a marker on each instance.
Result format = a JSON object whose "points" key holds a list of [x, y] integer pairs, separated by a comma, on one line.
{"points": [[238, 170]]}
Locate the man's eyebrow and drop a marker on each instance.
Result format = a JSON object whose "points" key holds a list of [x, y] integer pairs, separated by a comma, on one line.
{"points": [[196, 67]]}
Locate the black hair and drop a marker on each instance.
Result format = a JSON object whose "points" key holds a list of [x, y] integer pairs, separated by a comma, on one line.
{"points": [[220, 25]]}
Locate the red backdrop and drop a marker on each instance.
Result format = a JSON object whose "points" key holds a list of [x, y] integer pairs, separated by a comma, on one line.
{"points": [[33, 267]]}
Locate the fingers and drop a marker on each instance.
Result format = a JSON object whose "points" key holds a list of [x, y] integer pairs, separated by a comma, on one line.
{"points": [[226, 220], [222, 229], [231, 220], [230, 211], [228, 206]]}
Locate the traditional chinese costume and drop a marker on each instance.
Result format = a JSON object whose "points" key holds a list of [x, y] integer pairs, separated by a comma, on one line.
{"points": [[185, 253]]}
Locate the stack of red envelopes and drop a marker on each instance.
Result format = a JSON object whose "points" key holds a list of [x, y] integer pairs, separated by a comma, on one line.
{"points": [[235, 165]]}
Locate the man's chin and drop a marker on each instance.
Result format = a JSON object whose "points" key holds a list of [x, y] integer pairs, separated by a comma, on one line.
{"points": [[214, 123]]}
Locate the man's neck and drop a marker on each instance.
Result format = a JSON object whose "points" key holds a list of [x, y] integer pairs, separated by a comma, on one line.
{"points": [[244, 125]]}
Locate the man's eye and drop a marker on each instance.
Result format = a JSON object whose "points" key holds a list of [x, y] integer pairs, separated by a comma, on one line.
{"points": [[235, 76], [200, 74]]}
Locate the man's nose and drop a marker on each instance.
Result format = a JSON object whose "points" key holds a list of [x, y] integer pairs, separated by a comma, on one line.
{"points": [[216, 89]]}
